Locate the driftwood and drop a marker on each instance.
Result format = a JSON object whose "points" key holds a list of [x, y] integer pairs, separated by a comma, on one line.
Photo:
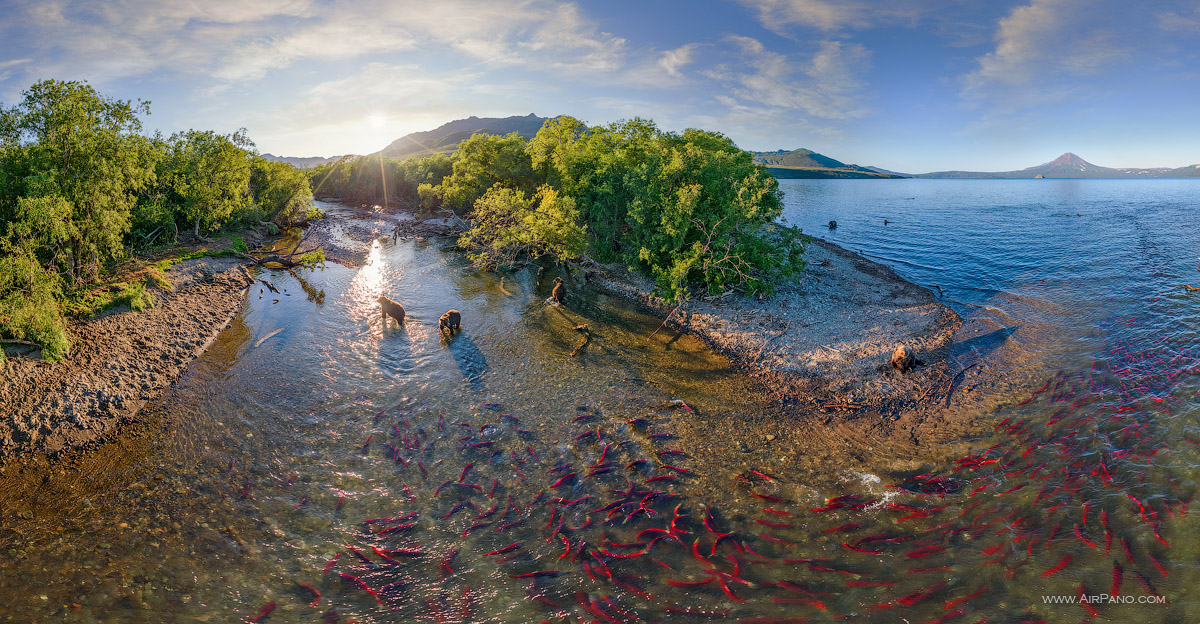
{"points": [[264, 338], [270, 286], [667, 319], [18, 342], [286, 261], [587, 337], [851, 406]]}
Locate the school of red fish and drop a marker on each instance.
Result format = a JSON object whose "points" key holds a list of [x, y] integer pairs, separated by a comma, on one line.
{"points": [[1071, 496]]}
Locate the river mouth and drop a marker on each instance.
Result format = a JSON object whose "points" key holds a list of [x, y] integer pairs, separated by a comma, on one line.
{"points": [[278, 452]]}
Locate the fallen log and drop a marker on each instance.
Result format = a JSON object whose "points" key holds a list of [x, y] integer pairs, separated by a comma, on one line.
{"points": [[587, 337]]}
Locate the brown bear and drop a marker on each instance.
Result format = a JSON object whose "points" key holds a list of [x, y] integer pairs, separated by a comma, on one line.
{"points": [[903, 359], [559, 291], [451, 322], [391, 308]]}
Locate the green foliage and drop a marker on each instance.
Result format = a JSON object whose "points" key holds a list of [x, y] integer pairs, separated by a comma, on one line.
{"points": [[92, 302], [282, 191], [29, 294], [378, 180], [688, 210], [133, 295], [506, 224], [73, 157], [157, 279], [483, 161], [79, 185], [312, 259], [207, 176]]}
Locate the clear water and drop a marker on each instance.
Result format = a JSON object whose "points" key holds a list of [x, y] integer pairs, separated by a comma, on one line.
{"points": [[261, 465]]}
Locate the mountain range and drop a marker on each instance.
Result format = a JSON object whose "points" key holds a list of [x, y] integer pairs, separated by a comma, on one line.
{"points": [[783, 164], [446, 137], [1071, 166]]}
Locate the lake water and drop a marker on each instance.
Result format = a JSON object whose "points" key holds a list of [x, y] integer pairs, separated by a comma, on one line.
{"points": [[494, 477]]}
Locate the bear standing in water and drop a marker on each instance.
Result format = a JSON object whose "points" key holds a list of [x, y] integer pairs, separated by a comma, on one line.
{"points": [[451, 322], [392, 309]]}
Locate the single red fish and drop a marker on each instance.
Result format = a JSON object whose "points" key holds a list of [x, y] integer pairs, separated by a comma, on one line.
{"points": [[316, 592], [675, 583], [863, 550], [1083, 539], [1062, 563], [362, 584], [919, 595], [957, 601], [262, 613]]}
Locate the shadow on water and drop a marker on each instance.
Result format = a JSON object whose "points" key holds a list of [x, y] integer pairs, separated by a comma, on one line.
{"points": [[470, 360], [983, 345], [396, 351]]}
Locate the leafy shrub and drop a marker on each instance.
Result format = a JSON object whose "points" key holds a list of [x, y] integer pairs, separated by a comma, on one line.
{"points": [[133, 295], [28, 303], [506, 225]]}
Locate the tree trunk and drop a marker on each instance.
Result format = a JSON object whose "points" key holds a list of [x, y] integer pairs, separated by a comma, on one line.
{"points": [[197, 231]]}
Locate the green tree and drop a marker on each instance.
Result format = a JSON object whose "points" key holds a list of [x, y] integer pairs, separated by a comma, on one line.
{"points": [[71, 151], [281, 191], [208, 175], [29, 294], [507, 224], [688, 210], [483, 161]]}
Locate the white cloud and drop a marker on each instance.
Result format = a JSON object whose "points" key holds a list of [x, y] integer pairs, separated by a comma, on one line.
{"points": [[1186, 20], [780, 15], [828, 85], [672, 61], [240, 41], [1057, 50]]}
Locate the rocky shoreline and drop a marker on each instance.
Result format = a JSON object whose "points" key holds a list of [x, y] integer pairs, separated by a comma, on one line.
{"points": [[118, 362], [830, 335]]}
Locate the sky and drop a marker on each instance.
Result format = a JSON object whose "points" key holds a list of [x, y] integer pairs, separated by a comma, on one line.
{"points": [[907, 85]]}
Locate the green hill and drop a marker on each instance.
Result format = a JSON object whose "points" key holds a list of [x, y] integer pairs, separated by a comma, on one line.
{"points": [[804, 163], [445, 138]]}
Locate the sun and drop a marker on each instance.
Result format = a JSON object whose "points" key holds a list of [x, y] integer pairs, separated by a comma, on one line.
{"points": [[377, 120]]}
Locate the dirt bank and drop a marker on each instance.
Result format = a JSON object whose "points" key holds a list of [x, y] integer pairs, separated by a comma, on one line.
{"points": [[118, 361]]}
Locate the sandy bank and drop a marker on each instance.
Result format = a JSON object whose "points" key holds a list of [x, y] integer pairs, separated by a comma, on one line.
{"points": [[118, 362]]}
